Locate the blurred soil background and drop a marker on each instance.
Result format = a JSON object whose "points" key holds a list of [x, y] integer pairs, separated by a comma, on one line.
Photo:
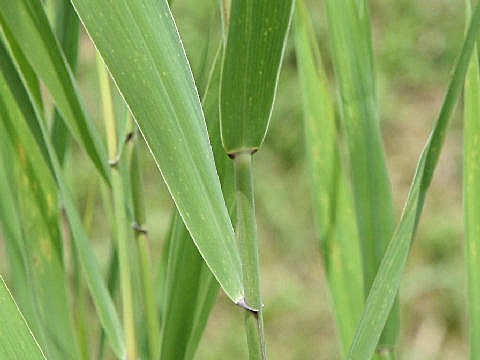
{"points": [[415, 43]]}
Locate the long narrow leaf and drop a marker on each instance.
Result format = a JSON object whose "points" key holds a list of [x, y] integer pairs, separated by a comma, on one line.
{"points": [[349, 30], [28, 23], [471, 196], [333, 204], [16, 339], [40, 227], [386, 284], [141, 47], [190, 290], [67, 28], [14, 238], [90, 267], [256, 41]]}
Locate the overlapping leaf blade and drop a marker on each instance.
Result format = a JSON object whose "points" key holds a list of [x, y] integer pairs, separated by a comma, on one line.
{"points": [[333, 204], [256, 41], [349, 30], [141, 47], [30, 29], [16, 339], [14, 239], [386, 284], [190, 289], [29, 118], [67, 26], [42, 241]]}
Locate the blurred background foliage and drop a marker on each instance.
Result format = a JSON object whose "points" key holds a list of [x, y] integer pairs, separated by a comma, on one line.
{"points": [[415, 44]]}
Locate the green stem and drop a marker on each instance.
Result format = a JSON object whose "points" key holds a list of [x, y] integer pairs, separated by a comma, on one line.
{"points": [[120, 215], [80, 299], [248, 244], [144, 254]]}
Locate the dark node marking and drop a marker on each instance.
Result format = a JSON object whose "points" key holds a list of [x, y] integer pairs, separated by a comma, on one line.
{"points": [[232, 155], [139, 229], [129, 136]]}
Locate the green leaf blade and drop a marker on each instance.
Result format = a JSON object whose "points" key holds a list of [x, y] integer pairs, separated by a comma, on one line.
{"points": [[16, 339], [387, 281], [349, 30], [67, 29], [36, 194], [186, 311], [32, 120], [333, 204], [253, 55], [28, 23], [141, 47]]}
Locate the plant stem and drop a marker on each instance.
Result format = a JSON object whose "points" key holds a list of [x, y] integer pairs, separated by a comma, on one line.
{"points": [[248, 244], [119, 212], [144, 254], [80, 299]]}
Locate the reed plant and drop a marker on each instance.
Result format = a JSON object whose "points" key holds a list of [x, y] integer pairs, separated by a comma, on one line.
{"points": [[202, 132]]}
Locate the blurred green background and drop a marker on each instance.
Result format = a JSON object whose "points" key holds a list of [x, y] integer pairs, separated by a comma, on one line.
{"points": [[415, 45]]}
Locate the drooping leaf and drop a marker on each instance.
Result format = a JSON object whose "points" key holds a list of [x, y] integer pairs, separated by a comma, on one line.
{"points": [[140, 45], [256, 41], [332, 200], [16, 339], [190, 289], [31, 31], [471, 196], [350, 38], [28, 114], [14, 239], [39, 215], [67, 30], [385, 287]]}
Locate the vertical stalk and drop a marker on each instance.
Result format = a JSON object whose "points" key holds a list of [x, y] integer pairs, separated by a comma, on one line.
{"points": [[248, 245], [471, 194], [119, 212], [141, 236], [80, 299]]}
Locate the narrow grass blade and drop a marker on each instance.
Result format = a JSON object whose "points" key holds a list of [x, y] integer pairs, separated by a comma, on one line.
{"points": [[140, 45], [67, 30], [333, 204], [17, 87], [80, 299], [471, 196], [14, 239], [386, 284], [349, 29], [256, 41], [190, 293], [37, 205], [112, 286], [190, 289], [101, 297], [16, 339], [28, 23]]}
